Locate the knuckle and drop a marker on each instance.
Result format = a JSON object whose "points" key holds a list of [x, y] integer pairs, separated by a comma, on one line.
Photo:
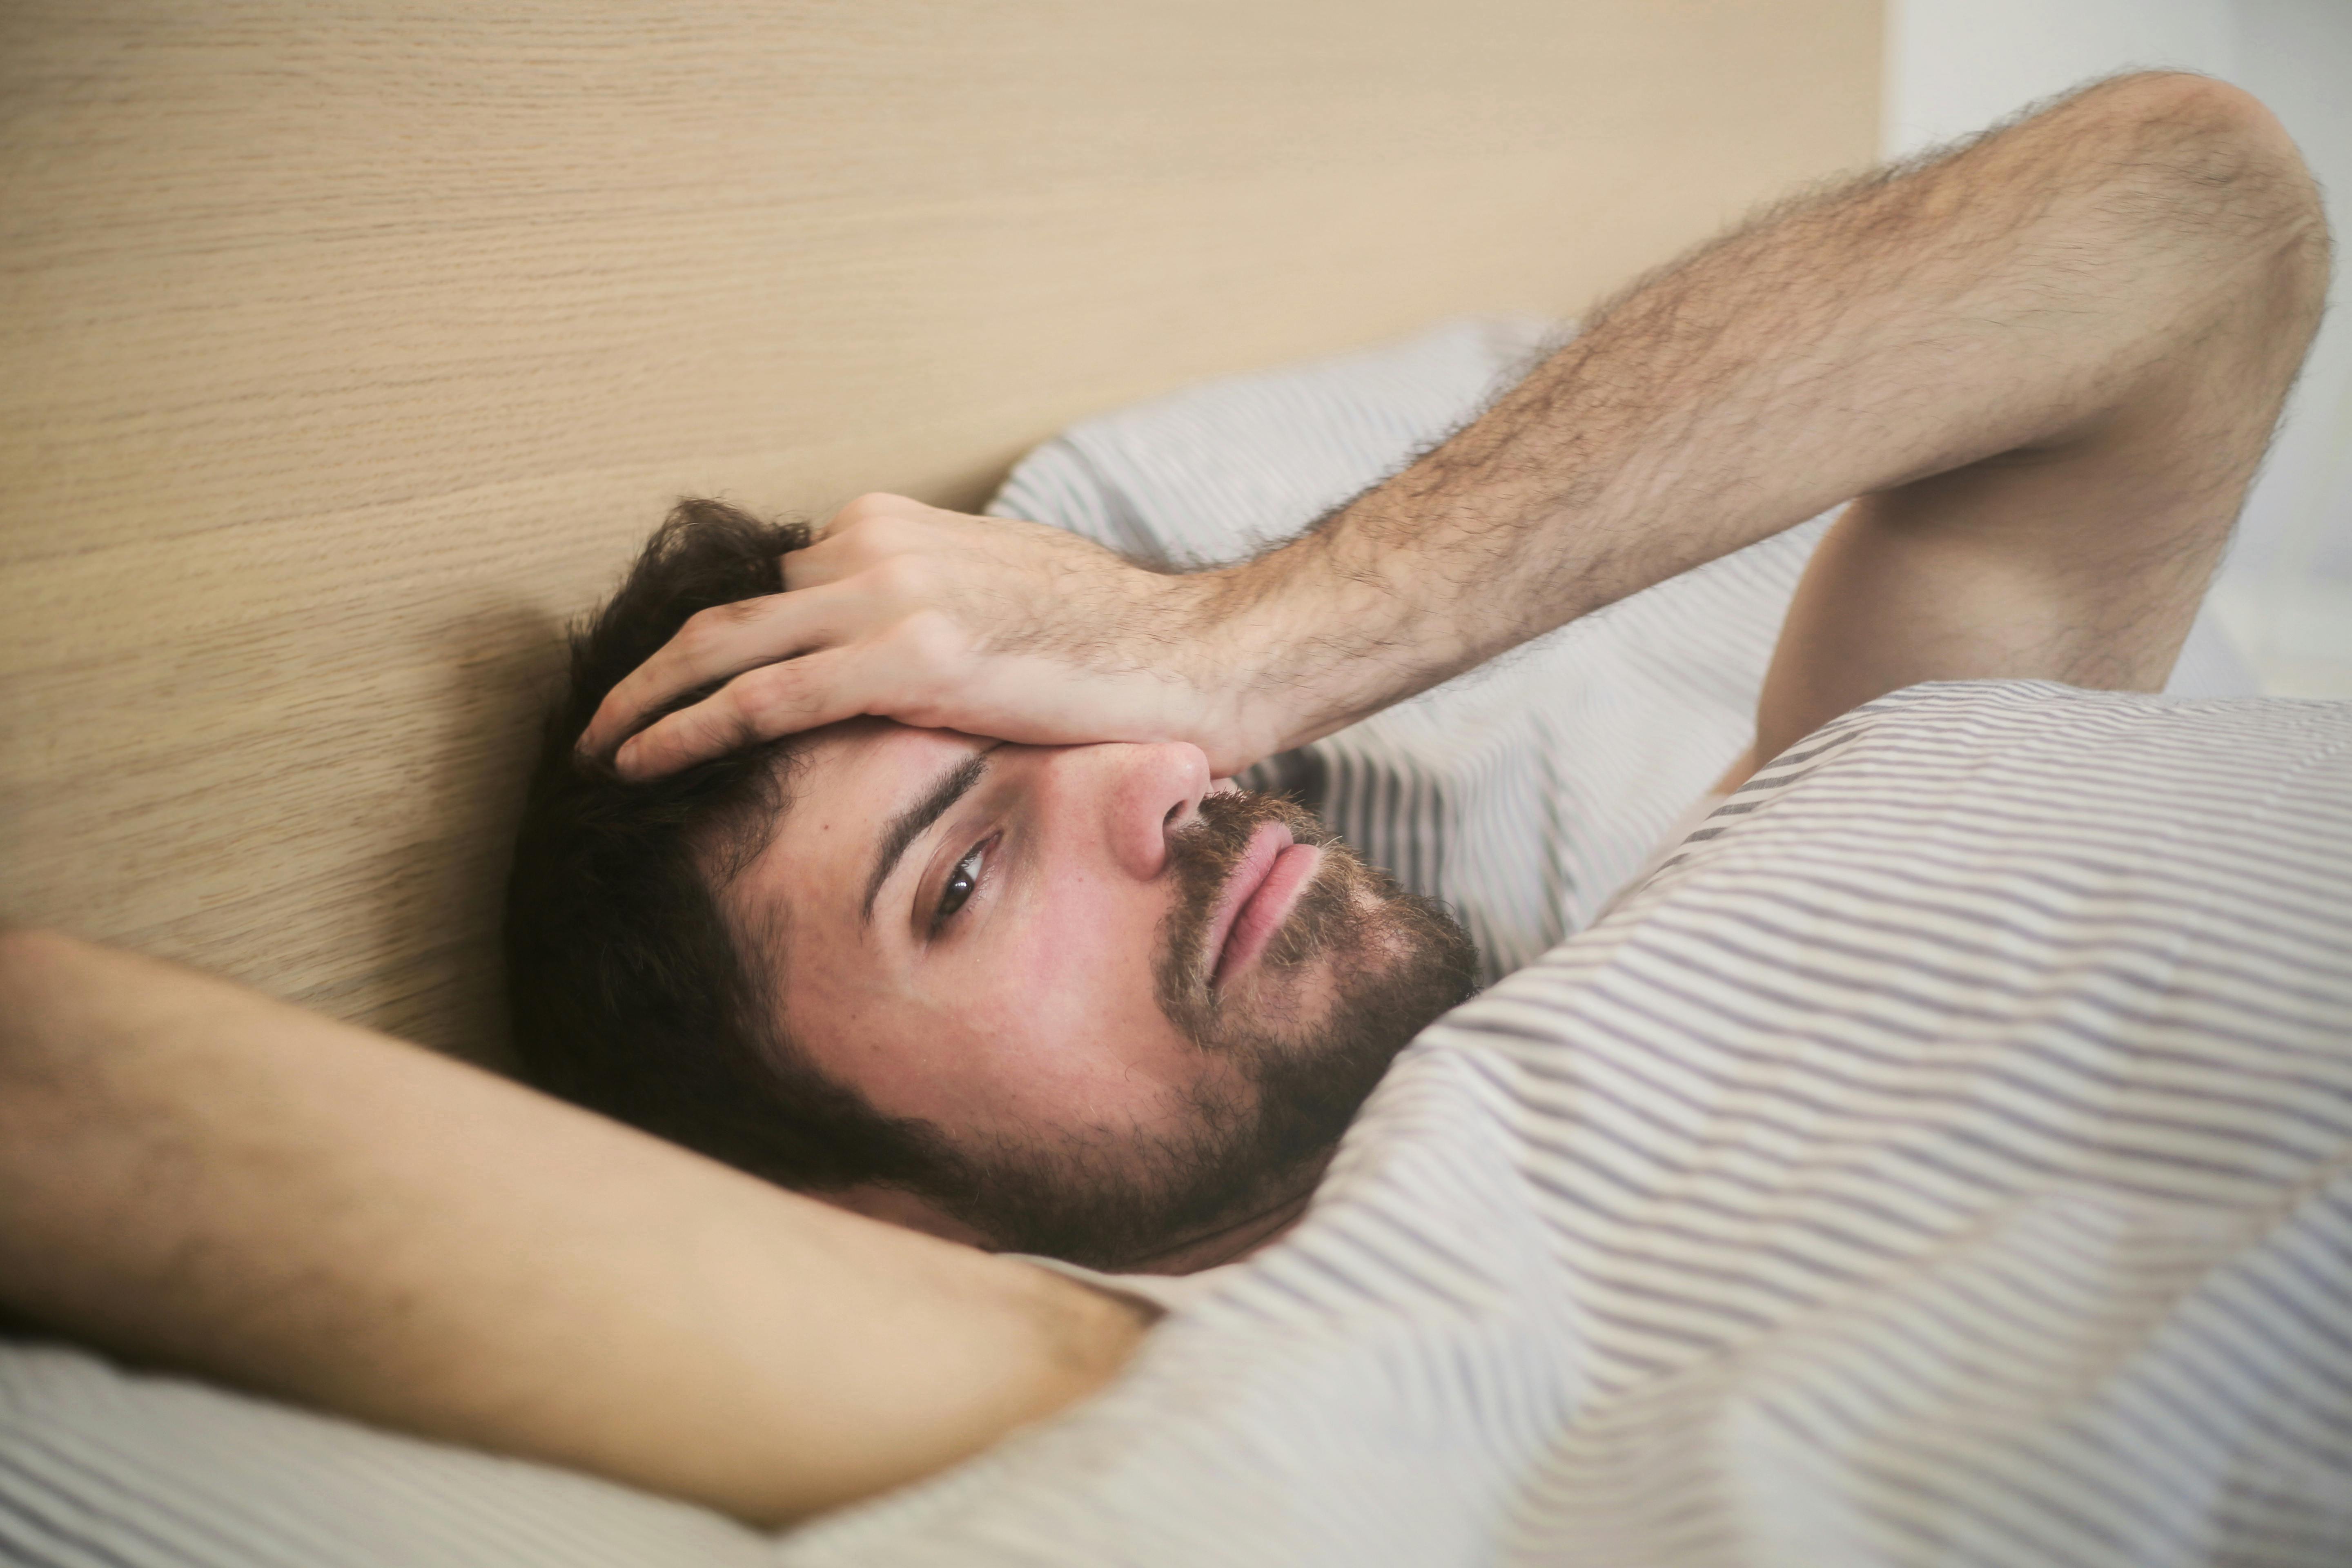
{"points": [[931, 642], [894, 520], [764, 696], [716, 726], [705, 636], [864, 513], [889, 537], [695, 638], [738, 611], [903, 577]]}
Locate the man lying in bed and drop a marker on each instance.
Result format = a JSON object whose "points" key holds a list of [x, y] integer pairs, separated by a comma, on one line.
{"points": [[1021, 997], [2048, 365]]}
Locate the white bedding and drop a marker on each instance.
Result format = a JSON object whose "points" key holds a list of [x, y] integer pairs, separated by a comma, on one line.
{"points": [[1946, 1163], [1945, 1158]]}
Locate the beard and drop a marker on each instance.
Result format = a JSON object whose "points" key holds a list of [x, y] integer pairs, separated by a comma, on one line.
{"points": [[1381, 963]]}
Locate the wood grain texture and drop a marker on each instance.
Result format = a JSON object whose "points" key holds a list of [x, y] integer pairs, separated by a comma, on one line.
{"points": [[351, 348]]}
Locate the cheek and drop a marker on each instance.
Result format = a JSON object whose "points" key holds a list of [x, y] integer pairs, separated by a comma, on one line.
{"points": [[1043, 1016], [1076, 953], [1058, 1005]]}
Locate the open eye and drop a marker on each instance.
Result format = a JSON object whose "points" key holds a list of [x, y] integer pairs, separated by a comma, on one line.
{"points": [[960, 883]]}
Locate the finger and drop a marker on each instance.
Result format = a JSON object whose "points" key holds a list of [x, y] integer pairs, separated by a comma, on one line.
{"points": [[867, 511], [714, 645], [763, 704], [868, 532], [820, 564]]}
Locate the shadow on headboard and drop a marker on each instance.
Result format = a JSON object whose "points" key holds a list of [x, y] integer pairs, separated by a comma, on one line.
{"points": [[352, 347]]}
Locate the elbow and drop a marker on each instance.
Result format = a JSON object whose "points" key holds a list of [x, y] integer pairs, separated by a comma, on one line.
{"points": [[2203, 114], [25, 953], [2221, 170], [2199, 180], [33, 967], [23, 956]]}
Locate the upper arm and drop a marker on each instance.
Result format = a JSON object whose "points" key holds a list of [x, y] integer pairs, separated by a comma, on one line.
{"points": [[1986, 574], [195, 1173], [2083, 562], [2083, 557]]}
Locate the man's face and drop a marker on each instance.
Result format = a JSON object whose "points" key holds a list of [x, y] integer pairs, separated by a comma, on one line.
{"points": [[1141, 1007]]}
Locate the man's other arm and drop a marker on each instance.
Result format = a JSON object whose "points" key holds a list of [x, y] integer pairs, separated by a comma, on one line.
{"points": [[194, 1175], [2082, 553], [2048, 362], [2047, 365]]}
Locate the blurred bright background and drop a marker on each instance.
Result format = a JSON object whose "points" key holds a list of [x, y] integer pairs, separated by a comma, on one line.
{"points": [[1953, 65]]}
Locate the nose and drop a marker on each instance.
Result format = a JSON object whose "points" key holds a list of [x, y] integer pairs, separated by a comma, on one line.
{"points": [[1136, 795]]}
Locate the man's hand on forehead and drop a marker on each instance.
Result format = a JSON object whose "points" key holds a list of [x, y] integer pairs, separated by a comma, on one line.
{"points": [[944, 621], [2047, 363]]}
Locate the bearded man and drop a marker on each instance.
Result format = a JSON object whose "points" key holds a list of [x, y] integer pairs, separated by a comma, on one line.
{"points": [[1948, 1155], [1079, 1001]]}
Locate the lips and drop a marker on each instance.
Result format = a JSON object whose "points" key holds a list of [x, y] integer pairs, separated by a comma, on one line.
{"points": [[1258, 898]]}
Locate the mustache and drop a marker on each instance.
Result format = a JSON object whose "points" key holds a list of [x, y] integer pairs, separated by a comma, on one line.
{"points": [[1202, 855]]}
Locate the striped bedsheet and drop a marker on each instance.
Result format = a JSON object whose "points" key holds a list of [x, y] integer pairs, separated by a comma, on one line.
{"points": [[1945, 1158], [1940, 1159]]}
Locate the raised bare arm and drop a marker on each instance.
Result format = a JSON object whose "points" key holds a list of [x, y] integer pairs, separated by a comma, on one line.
{"points": [[2050, 360], [196, 1174]]}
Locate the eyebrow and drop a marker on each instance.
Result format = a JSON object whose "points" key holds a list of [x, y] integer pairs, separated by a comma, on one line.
{"points": [[909, 824]]}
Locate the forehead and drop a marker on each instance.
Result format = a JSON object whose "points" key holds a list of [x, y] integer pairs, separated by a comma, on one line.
{"points": [[843, 761]]}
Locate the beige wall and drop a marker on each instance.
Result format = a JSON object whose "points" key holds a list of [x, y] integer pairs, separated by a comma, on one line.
{"points": [[350, 347]]}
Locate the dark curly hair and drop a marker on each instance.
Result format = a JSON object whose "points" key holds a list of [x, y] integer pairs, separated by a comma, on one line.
{"points": [[627, 989]]}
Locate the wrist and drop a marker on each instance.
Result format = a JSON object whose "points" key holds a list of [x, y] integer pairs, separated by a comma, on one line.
{"points": [[1295, 644], [1215, 624]]}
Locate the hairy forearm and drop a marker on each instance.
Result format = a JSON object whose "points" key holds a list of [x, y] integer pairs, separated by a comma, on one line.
{"points": [[2021, 296], [194, 1174], [2047, 365]]}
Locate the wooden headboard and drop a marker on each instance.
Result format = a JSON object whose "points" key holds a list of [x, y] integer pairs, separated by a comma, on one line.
{"points": [[351, 346]]}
